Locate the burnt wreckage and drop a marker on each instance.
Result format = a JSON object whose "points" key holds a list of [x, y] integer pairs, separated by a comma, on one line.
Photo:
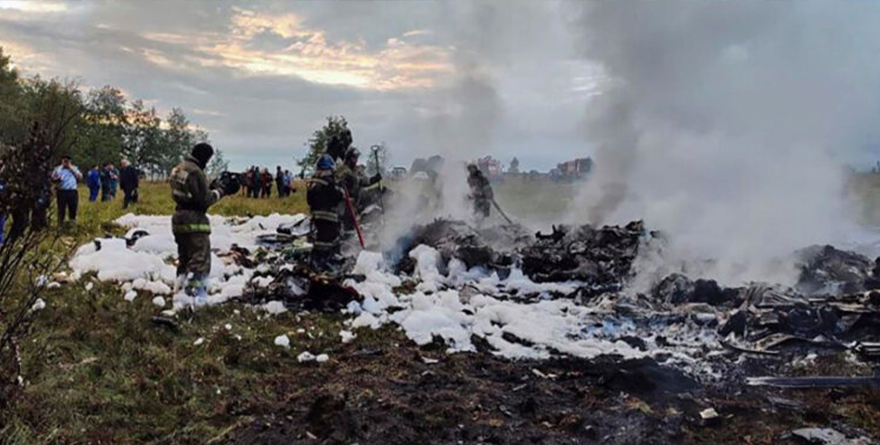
{"points": [[835, 305]]}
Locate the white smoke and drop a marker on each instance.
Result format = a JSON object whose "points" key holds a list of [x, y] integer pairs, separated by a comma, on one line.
{"points": [[725, 124]]}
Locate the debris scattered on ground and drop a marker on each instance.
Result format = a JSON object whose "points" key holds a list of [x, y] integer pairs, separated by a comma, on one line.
{"points": [[827, 436], [520, 295], [283, 341]]}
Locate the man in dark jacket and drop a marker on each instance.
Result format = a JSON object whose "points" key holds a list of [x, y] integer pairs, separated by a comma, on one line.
{"points": [[128, 182], [480, 192], [108, 178], [258, 183], [190, 223], [324, 198], [279, 182]]}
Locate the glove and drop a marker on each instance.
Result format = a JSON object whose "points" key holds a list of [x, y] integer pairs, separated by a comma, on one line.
{"points": [[230, 183], [376, 178]]}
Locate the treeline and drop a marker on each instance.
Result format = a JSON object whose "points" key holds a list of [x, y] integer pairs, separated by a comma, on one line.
{"points": [[94, 126]]}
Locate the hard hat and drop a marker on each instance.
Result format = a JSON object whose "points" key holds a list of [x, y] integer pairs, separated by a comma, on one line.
{"points": [[352, 152], [325, 163]]}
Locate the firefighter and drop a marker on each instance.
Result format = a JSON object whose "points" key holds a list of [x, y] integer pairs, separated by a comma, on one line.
{"points": [[338, 144], [324, 198], [353, 179], [480, 192], [190, 224]]}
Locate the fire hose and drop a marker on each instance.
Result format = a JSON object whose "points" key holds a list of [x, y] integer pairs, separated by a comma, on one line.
{"points": [[501, 212], [375, 150], [354, 220]]}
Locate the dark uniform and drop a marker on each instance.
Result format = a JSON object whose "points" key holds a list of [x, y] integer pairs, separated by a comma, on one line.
{"points": [[354, 180], [190, 223], [481, 192], [324, 197]]}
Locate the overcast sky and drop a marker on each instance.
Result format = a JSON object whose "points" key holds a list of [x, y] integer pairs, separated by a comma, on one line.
{"points": [[462, 79], [423, 77]]}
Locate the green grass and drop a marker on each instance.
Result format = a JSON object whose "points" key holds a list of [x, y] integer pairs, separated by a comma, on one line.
{"points": [[542, 199], [98, 370], [865, 189]]}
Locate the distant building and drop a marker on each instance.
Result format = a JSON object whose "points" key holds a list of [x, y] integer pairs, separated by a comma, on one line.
{"points": [[430, 166], [491, 167], [514, 166], [572, 170], [398, 173]]}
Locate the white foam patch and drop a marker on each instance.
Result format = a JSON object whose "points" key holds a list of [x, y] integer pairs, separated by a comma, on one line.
{"points": [[454, 307], [514, 328], [148, 265]]}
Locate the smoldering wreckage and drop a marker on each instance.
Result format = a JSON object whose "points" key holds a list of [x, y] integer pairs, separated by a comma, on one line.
{"points": [[536, 337]]}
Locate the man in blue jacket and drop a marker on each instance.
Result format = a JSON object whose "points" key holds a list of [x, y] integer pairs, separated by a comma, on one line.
{"points": [[94, 183]]}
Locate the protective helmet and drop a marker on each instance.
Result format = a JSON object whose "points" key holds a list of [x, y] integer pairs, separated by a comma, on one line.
{"points": [[352, 152], [325, 163], [203, 152]]}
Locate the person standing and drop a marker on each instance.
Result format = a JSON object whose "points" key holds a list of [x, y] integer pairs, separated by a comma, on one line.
{"points": [[94, 183], [129, 181], [480, 192], [353, 179], [114, 181], [267, 183], [66, 177], [107, 180], [258, 182], [279, 181], [190, 224], [288, 183], [324, 198]]}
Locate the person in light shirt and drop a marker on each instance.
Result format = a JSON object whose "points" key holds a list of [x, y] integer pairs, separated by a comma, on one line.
{"points": [[66, 177]]}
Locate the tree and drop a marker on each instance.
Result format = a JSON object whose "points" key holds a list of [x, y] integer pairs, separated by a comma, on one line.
{"points": [[55, 109], [104, 127], [10, 95], [317, 144], [218, 164], [178, 141], [514, 166], [143, 141], [382, 155], [48, 113]]}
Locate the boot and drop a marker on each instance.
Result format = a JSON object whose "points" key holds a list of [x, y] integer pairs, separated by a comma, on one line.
{"points": [[197, 288], [180, 283]]}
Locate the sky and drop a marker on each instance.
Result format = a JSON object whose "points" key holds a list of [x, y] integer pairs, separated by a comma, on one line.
{"points": [[462, 79]]}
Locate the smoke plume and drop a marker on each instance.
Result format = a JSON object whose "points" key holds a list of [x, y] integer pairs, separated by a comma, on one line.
{"points": [[726, 124]]}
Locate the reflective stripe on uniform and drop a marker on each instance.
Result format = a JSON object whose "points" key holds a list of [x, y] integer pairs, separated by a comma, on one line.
{"points": [[324, 245], [181, 193], [324, 215], [192, 228]]}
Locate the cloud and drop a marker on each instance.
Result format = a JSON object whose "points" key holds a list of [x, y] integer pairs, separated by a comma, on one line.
{"points": [[307, 53], [33, 6]]}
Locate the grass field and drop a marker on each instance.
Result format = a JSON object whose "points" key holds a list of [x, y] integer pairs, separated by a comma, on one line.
{"points": [[99, 370]]}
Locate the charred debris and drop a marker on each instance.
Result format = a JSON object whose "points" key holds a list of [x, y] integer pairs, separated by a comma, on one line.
{"points": [[835, 305]]}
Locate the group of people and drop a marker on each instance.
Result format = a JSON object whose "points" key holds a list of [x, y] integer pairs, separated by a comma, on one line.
{"points": [[258, 182], [336, 198], [66, 177], [336, 195], [107, 180]]}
